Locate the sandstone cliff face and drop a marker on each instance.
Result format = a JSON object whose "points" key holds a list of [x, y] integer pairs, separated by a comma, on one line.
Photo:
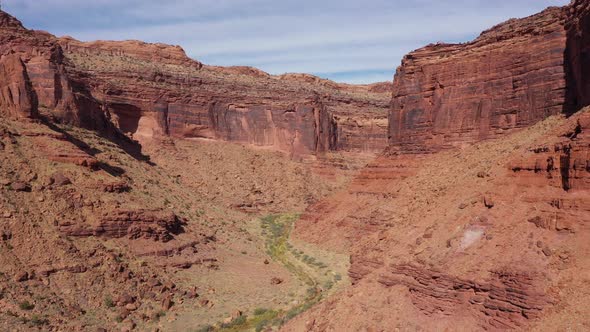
{"points": [[57, 95], [169, 94], [153, 91], [17, 98], [301, 129], [510, 77], [578, 53]]}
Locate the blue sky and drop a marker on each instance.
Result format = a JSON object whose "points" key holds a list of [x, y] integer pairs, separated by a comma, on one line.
{"points": [[346, 40]]}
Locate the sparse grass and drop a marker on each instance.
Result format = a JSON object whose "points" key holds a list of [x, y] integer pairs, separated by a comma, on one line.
{"points": [[160, 314], [238, 321]]}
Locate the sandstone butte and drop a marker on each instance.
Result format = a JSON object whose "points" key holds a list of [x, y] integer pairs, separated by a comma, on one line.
{"points": [[473, 216]]}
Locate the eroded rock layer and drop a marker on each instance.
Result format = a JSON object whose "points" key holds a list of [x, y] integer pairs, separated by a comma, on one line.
{"points": [[133, 224]]}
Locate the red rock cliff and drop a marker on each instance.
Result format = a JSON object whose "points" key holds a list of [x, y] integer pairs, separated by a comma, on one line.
{"points": [[578, 53], [156, 90], [510, 77], [58, 95], [17, 98]]}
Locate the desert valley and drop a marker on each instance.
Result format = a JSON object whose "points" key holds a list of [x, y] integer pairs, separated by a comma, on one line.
{"points": [[141, 189]]}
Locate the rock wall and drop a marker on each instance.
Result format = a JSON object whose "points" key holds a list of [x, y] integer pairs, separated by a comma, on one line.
{"points": [[17, 98], [169, 94], [510, 77], [578, 53], [299, 129]]}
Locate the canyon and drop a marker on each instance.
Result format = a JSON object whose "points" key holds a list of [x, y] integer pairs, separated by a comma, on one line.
{"points": [[174, 194]]}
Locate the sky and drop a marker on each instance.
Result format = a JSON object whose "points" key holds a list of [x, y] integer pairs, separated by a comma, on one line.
{"points": [[354, 41]]}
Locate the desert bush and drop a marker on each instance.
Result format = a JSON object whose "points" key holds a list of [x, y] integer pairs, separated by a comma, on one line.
{"points": [[108, 301], [26, 305]]}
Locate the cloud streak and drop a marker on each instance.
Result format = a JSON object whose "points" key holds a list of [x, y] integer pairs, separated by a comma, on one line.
{"points": [[343, 40]]}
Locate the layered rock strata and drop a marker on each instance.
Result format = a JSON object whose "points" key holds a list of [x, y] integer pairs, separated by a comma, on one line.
{"points": [[510, 77], [170, 94], [136, 224]]}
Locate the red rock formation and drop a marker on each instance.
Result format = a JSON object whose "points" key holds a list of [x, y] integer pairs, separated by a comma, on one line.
{"points": [[578, 53], [156, 97], [301, 130], [510, 77], [452, 246], [16, 94], [155, 90], [136, 224], [58, 148], [57, 94], [505, 302]]}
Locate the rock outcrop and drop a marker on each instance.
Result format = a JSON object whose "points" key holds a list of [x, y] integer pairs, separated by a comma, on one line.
{"points": [[510, 77], [169, 94], [44, 80], [17, 98], [135, 224]]}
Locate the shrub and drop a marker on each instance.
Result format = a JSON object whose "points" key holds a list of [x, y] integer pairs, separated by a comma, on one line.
{"points": [[108, 301], [26, 305], [260, 311], [206, 328], [236, 322], [261, 325], [39, 321]]}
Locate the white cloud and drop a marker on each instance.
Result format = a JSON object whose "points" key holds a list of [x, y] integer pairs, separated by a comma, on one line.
{"points": [[318, 36]]}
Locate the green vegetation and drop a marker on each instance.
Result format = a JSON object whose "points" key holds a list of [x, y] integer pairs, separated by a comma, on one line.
{"points": [[260, 311], [237, 322], [26, 305], [108, 301], [39, 321], [260, 319], [206, 328]]}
